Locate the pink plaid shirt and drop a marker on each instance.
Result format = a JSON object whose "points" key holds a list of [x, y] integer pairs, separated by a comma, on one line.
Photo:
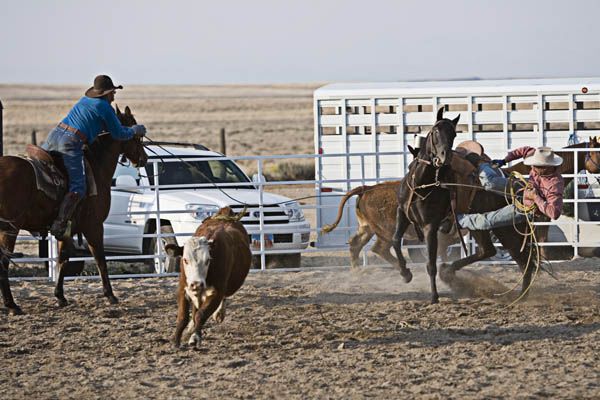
{"points": [[548, 189]]}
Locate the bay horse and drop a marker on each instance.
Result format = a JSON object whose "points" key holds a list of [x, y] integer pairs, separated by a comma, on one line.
{"points": [[421, 200], [23, 206]]}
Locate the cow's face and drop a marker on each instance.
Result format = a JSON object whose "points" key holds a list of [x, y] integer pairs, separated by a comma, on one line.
{"points": [[196, 259]]}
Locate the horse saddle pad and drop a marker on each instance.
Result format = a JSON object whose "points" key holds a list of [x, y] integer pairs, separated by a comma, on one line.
{"points": [[49, 179]]}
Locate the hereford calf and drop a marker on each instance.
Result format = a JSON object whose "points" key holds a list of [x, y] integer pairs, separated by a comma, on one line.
{"points": [[214, 265]]}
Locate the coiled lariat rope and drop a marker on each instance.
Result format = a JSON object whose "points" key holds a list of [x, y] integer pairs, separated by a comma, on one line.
{"points": [[528, 235]]}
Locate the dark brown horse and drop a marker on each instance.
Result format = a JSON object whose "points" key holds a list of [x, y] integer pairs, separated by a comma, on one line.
{"points": [[509, 237], [424, 200], [22, 206], [421, 200]]}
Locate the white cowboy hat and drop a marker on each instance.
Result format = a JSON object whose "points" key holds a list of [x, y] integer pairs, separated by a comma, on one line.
{"points": [[543, 157]]}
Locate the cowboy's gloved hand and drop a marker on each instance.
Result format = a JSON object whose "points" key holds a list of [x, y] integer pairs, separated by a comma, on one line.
{"points": [[139, 130], [499, 162]]}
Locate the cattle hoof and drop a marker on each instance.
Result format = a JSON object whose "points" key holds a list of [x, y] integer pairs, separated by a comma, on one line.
{"points": [[62, 302], [194, 341], [219, 317], [112, 299], [407, 275], [15, 310]]}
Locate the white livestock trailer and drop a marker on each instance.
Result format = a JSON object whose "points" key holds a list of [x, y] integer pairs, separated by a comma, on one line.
{"points": [[362, 129]]}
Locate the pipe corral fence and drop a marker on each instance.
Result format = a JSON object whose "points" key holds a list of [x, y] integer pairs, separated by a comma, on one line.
{"points": [[305, 188]]}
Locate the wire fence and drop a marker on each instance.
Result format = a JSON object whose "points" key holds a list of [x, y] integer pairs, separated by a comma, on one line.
{"points": [[146, 203]]}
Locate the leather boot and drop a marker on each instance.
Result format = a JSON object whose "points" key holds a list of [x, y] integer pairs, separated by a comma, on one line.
{"points": [[61, 227]]}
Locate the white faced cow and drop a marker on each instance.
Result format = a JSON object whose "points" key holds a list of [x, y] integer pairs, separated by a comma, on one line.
{"points": [[214, 265]]}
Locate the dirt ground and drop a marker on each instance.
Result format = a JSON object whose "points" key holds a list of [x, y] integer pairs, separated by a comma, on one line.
{"points": [[313, 334]]}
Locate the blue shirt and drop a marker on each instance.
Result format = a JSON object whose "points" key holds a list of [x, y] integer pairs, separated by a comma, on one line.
{"points": [[94, 115]]}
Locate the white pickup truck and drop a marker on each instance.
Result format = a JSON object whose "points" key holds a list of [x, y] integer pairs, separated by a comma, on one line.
{"points": [[188, 176]]}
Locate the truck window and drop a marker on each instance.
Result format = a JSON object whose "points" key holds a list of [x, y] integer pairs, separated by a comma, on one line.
{"points": [[126, 169]]}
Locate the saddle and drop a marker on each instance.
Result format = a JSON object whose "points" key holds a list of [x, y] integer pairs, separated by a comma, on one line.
{"points": [[50, 173], [465, 174]]}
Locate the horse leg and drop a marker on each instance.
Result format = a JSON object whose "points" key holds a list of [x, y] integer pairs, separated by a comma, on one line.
{"points": [[357, 242], [526, 259], [95, 239], [402, 224], [64, 247], [430, 232], [382, 249], [7, 244], [485, 249]]}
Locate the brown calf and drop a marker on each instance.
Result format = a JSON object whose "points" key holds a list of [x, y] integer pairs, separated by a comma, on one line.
{"points": [[214, 265]]}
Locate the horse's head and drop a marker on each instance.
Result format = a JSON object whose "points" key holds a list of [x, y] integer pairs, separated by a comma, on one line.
{"points": [[592, 158], [132, 149], [440, 139]]}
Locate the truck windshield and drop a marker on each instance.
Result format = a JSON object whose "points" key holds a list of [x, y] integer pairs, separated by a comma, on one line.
{"points": [[197, 172]]}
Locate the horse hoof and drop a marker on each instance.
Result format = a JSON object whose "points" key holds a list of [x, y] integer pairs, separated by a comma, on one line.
{"points": [[435, 300], [15, 310], [62, 302], [407, 275], [112, 299]]}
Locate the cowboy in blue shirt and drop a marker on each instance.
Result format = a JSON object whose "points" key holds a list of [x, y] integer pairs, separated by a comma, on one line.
{"points": [[91, 115]]}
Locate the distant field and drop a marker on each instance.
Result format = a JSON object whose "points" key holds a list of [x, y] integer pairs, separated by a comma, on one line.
{"points": [[259, 120]]}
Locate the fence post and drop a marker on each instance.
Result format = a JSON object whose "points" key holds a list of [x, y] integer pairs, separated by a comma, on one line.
{"points": [[34, 137], [223, 143], [261, 210], [1, 130]]}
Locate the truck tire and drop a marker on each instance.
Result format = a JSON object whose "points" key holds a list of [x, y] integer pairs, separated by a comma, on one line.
{"points": [[150, 248]]}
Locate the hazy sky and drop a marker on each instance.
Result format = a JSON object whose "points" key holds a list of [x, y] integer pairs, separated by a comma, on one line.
{"points": [[255, 41]]}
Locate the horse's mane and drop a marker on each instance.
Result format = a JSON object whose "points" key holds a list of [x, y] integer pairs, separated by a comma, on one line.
{"points": [[99, 147]]}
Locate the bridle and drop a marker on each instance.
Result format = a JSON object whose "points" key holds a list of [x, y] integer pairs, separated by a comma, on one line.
{"points": [[138, 163], [434, 162]]}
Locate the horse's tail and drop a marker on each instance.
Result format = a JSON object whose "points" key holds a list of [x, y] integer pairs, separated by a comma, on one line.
{"points": [[356, 191]]}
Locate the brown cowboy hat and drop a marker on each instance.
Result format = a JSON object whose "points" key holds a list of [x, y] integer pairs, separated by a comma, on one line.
{"points": [[103, 85]]}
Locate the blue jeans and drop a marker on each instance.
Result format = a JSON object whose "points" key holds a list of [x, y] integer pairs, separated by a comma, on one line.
{"points": [[71, 149], [504, 216], [492, 178]]}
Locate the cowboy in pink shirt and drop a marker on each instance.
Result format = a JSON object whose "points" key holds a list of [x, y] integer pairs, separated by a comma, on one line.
{"points": [[547, 184], [545, 189]]}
